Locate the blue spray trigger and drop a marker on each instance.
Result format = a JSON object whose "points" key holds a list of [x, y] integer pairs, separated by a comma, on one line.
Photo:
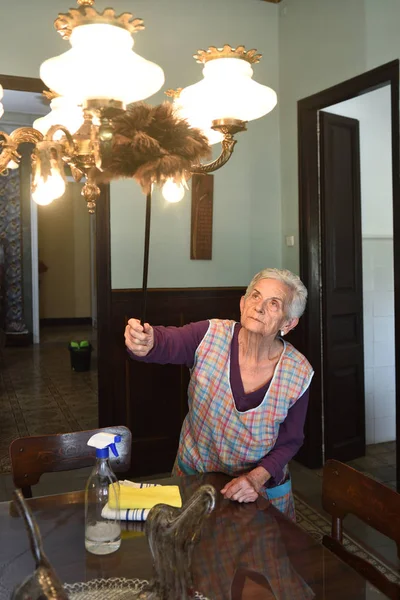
{"points": [[114, 449]]}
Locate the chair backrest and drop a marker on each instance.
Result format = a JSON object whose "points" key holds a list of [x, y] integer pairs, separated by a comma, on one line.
{"points": [[347, 491], [32, 456]]}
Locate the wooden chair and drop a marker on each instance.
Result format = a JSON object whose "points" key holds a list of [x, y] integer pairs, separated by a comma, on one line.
{"points": [[347, 491], [32, 456]]}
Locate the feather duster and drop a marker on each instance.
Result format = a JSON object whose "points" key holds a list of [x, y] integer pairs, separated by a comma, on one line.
{"points": [[152, 144]]}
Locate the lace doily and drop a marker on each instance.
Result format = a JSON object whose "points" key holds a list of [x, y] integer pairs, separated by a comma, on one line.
{"points": [[115, 588]]}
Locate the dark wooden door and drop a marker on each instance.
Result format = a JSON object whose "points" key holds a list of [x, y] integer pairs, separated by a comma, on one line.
{"points": [[342, 302]]}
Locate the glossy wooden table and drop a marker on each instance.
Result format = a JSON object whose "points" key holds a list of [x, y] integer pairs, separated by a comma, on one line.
{"points": [[246, 551]]}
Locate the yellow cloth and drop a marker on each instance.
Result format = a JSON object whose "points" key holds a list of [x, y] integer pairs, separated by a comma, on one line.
{"points": [[147, 497]]}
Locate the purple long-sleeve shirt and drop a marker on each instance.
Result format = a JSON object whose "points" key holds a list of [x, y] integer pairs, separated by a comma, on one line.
{"points": [[178, 345]]}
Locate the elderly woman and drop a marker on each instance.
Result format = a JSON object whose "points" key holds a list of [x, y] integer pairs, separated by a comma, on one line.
{"points": [[248, 391]]}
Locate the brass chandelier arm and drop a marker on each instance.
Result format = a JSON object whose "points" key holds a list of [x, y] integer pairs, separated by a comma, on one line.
{"points": [[228, 144], [26, 134], [10, 143], [69, 145], [228, 127]]}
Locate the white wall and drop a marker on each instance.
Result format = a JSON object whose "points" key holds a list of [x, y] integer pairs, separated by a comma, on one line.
{"points": [[321, 43], [373, 113], [307, 47], [64, 247], [379, 346], [247, 213], [382, 18]]}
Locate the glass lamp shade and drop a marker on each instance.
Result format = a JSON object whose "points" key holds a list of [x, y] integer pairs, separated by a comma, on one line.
{"points": [[197, 120], [228, 92], [63, 112], [101, 65]]}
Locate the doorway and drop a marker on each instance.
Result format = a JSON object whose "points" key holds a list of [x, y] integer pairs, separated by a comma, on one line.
{"points": [[313, 247], [58, 241], [41, 394]]}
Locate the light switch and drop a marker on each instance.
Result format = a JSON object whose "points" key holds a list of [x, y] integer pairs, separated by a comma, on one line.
{"points": [[290, 240]]}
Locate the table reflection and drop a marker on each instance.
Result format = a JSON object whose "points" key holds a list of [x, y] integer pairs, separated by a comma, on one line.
{"points": [[233, 561]]}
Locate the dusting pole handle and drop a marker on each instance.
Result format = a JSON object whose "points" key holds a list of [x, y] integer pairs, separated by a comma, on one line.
{"points": [[146, 257]]}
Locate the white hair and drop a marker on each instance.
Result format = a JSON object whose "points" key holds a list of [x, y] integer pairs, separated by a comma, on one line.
{"points": [[297, 303]]}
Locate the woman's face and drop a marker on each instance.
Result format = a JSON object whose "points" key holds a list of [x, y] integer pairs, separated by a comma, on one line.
{"points": [[264, 310]]}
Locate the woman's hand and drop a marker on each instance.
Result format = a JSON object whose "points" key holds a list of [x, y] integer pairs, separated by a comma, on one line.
{"points": [[246, 487], [139, 339]]}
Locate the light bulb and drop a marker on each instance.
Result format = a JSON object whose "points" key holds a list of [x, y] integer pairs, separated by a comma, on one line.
{"points": [[44, 192], [12, 165], [173, 192]]}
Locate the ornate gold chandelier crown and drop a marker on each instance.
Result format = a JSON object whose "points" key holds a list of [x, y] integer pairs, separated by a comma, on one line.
{"points": [[213, 53], [86, 15]]}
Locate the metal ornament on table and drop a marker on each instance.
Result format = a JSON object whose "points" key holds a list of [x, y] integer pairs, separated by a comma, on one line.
{"points": [[43, 584], [172, 534]]}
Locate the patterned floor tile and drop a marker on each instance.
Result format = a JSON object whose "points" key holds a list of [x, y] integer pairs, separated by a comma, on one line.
{"points": [[318, 525], [40, 394]]}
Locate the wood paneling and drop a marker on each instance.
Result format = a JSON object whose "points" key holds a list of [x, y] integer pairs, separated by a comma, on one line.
{"points": [[341, 249], [22, 84], [202, 217], [152, 399], [103, 275]]}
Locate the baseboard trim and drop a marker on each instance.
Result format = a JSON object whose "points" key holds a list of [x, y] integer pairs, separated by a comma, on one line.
{"points": [[66, 321], [20, 339]]}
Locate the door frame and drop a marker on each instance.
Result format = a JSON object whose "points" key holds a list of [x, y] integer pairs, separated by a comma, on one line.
{"points": [[310, 237]]}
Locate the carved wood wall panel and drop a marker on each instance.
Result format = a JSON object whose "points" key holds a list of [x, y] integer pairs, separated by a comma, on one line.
{"points": [[202, 217]]}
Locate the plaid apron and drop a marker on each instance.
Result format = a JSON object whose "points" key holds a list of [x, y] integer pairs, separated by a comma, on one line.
{"points": [[215, 436]]}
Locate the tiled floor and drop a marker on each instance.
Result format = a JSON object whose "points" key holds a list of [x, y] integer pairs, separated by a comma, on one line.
{"points": [[39, 393], [379, 463]]}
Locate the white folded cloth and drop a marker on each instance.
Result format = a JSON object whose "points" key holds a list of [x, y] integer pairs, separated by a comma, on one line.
{"points": [[129, 514]]}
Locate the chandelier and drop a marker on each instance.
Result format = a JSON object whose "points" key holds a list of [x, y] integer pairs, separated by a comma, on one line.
{"points": [[100, 127]]}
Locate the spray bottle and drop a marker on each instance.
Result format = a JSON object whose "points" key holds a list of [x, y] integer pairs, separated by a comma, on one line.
{"points": [[102, 536]]}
